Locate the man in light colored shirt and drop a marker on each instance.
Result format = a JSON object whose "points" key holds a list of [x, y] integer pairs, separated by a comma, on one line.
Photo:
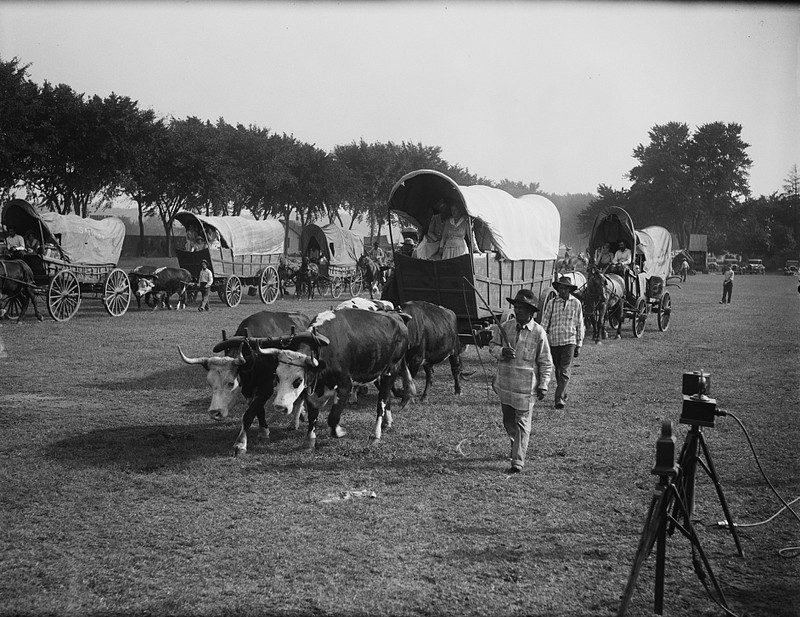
{"points": [[15, 244], [524, 365], [622, 258], [727, 285], [563, 322], [206, 279]]}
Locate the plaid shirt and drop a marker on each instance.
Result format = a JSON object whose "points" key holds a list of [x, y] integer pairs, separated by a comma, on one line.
{"points": [[563, 322], [518, 378]]}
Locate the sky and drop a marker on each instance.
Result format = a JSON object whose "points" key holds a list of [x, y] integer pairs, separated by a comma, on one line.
{"points": [[558, 93]]}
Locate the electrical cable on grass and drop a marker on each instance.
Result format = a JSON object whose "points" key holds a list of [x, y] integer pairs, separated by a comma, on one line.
{"points": [[789, 551]]}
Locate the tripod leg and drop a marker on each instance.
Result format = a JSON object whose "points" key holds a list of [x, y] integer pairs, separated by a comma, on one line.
{"points": [[691, 534], [686, 477], [712, 473], [654, 524]]}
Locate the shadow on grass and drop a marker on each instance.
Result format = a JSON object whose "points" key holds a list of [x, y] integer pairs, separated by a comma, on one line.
{"points": [[182, 377], [177, 446]]}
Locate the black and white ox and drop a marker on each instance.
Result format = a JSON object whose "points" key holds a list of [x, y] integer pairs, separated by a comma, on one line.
{"points": [[432, 338], [134, 277], [164, 282], [365, 346], [239, 370]]}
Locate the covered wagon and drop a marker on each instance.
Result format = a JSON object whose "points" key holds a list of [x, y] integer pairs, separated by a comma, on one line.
{"points": [[238, 251], [74, 257], [336, 251], [513, 246]]}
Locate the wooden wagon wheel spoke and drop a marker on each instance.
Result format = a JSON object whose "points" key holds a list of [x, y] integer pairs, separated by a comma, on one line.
{"points": [[14, 307], [356, 283], [336, 286], [269, 286], [117, 293], [233, 291], [639, 317], [664, 311], [63, 295]]}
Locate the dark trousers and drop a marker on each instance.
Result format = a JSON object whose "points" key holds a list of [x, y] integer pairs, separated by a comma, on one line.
{"points": [[727, 290], [562, 361]]}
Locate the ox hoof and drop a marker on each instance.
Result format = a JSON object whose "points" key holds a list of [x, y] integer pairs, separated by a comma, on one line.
{"points": [[239, 451], [598, 342], [39, 317], [311, 445], [373, 439], [338, 432], [619, 336], [263, 434]]}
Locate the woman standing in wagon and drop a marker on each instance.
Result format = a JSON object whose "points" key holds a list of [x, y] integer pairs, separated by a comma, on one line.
{"points": [[456, 234]]}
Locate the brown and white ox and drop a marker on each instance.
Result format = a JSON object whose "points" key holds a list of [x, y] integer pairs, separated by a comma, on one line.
{"points": [[365, 346], [239, 370]]}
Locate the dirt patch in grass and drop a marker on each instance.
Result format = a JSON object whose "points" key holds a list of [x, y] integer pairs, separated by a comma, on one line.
{"points": [[120, 496]]}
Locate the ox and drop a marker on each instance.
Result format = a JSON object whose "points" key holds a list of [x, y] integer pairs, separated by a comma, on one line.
{"points": [[164, 282], [432, 338], [240, 370], [134, 276], [365, 346], [17, 285]]}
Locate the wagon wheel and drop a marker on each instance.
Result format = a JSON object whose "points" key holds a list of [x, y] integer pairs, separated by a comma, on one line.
{"points": [[63, 295], [613, 319], [323, 284], [639, 317], [336, 286], [268, 285], [117, 293], [664, 312], [356, 283], [233, 291], [13, 306]]}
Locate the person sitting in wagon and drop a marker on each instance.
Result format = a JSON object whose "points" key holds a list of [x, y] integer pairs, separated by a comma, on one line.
{"points": [[603, 257], [430, 245], [621, 262], [32, 244], [407, 247], [213, 238], [15, 245]]}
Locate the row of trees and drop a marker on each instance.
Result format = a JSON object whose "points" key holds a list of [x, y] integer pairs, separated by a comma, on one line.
{"points": [[74, 153], [697, 183]]}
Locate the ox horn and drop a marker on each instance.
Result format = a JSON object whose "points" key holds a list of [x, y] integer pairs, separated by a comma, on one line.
{"points": [[203, 361], [239, 359]]}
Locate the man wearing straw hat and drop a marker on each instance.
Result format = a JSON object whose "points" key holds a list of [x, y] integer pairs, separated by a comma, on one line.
{"points": [[563, 322], [524, 365]]}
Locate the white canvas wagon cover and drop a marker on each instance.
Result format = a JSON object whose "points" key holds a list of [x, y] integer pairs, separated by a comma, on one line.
{"points": [[82, 241], [655, 243], [340, 246], [526, 227], [244, 236]]}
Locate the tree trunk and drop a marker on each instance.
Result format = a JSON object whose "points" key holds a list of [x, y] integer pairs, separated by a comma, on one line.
{"points": [[141, 228]]}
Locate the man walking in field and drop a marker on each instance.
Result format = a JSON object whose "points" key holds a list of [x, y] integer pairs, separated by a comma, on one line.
{"points": [[727, 286], [524, 365], [563, 322]]}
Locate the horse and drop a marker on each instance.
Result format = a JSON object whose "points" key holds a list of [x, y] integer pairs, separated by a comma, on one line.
{"points": [[287, 273], [307, 278], [603, 297], [373, 273], [17, 288]]}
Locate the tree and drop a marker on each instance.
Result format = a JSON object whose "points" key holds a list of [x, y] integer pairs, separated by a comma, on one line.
{"points": [[684, 182], [18, 105], [606, 198]]}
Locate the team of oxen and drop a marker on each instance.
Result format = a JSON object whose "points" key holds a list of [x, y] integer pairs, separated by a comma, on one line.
{"points": [[319, 363]]}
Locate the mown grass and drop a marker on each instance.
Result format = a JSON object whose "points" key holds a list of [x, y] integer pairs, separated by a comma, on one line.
{"points": [[119, 495]]}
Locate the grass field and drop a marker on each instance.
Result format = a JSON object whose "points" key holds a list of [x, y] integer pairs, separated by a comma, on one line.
{"points": [[119, 496]]}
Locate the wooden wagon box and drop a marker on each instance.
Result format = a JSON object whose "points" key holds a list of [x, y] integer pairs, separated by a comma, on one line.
{"points": [[223, 262]]}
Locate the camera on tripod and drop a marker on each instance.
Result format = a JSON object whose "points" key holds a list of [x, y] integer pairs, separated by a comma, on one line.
{"points": [[698, 408]]}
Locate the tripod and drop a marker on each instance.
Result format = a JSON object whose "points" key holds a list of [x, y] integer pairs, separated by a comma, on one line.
{"points": [[688, 461], [666, 505]]}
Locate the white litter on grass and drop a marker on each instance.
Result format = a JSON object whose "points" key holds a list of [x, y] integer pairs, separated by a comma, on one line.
{"points": [[344, 495]]}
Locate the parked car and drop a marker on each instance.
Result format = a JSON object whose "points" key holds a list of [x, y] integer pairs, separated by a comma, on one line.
{"points": [[791, 267], [754, 266]]}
